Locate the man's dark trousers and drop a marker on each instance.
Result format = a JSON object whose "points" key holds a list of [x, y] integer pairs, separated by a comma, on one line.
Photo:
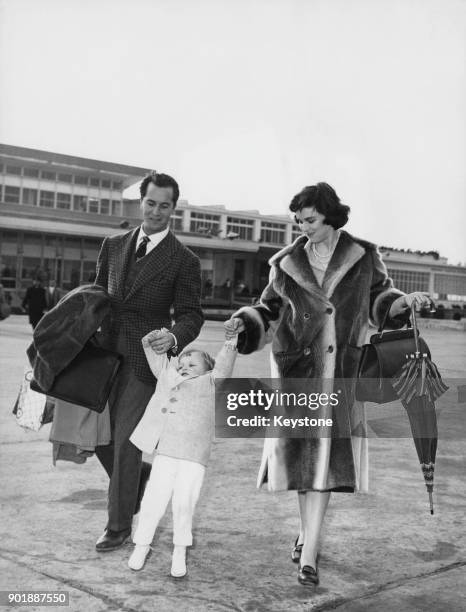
{"points": [[128, 400]]}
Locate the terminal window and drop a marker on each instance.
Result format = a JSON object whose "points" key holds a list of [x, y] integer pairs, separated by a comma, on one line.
{"points": [[13, 169], [409, 280], [29, 197], [450, 284], [202, 223], [243, 227], [273, 232], [11, 194], [64, 201], [176, 221], [32, 172], [47, 199]]}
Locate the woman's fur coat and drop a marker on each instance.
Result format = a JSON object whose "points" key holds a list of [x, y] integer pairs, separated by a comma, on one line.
{"points": [[317, 333]]}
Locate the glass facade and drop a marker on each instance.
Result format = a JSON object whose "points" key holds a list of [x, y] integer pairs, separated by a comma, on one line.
{"points": [[47, 199], [274, 233], [176, 221], [64, 201], [204, 223], [243, 227], [29, 196], [11, 195], [409, 280], [452, 286]]}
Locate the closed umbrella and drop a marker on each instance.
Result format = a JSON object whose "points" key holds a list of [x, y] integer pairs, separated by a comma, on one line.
{"points": [[418, 384]]}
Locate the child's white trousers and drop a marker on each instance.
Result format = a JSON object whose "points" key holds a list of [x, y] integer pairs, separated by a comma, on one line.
{"points": [[180, 480]]}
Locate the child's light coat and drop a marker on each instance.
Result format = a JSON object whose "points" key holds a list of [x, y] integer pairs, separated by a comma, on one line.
{"points": [[179, 419]]}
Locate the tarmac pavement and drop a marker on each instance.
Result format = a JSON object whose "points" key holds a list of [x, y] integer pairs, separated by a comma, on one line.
{"points": [[381, 551]]}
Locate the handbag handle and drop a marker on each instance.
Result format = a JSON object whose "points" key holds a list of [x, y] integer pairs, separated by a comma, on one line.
{"points": [[409, 323], [384, 321]]}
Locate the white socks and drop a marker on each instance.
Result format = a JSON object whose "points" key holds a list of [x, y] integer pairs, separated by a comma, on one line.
{"points": [[179, 562], [138, 557]]}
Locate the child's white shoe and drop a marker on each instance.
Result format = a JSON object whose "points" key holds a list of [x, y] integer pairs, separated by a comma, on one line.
{"points": [[179, 562], [138, 557]]}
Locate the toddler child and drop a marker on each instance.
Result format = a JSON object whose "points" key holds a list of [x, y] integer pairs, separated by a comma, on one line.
{"points": [[179, 424]]}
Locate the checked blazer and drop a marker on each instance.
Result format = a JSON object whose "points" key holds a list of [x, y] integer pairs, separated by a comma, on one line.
{"points": [[169, 276]]}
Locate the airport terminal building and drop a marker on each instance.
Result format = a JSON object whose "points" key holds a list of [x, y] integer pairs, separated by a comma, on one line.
{"points": [[56, 209]]}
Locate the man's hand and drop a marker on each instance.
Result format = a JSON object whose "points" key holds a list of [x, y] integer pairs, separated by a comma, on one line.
{"points": [[233, 327], [161, 341]]}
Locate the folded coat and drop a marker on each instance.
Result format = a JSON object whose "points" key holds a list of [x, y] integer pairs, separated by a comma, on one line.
{"points": [[63, 331]]}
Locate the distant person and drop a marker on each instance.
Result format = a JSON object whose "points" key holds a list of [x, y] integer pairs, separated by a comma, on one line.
{"points": [[52, 294], [5, 308], [182, 439], [208, 286], [35, 302]]}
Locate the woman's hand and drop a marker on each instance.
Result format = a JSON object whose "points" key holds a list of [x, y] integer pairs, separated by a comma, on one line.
{"points": [[420, 299], [233, 327]]}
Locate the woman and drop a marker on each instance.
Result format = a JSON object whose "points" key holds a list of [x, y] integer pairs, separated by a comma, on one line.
{"points": [[323, 290]]}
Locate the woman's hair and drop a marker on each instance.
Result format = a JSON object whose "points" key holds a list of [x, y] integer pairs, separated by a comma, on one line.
{"points": [[208, 359], [324, 199]]}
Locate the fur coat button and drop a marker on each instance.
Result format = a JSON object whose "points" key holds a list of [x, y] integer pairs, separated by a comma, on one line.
{"points": [[330, 349], [329, 310], [307, 351], [307, 315]]}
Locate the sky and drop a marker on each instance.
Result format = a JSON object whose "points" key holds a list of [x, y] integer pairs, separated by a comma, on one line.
{"points": [[245, 102]]}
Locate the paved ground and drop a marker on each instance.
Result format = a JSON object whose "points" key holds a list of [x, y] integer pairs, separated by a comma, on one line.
{"points": [[380, 552]]}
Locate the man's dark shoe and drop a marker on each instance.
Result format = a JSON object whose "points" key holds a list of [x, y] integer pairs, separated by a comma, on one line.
{"points": [[111, 540]]}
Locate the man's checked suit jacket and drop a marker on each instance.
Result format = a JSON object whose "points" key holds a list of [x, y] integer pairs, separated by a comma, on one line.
{"points": [[169, 276]]}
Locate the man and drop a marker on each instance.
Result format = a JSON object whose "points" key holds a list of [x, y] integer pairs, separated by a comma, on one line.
{"points": [[52, 295], [35, 302], [146, 271]]}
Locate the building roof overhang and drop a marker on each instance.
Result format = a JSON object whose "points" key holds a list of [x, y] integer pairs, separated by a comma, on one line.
{"points": [[127, 174]]}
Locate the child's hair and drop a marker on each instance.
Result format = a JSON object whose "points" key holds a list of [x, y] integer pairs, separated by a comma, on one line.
{"points": [[208, 359]]}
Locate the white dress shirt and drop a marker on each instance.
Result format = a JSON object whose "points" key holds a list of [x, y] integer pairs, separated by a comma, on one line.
{"points": [[154, 240]]}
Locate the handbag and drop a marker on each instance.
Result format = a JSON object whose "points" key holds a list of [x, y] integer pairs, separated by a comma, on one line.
{"points": [[383, 357], [87, 380], [30, 406]]}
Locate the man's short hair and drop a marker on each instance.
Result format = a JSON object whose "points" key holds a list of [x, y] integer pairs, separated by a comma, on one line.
{"points": [[160, 180], [208, 359]]}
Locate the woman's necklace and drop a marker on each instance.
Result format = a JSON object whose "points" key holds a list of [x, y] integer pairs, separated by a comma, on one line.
{"points": [[318, 255]]}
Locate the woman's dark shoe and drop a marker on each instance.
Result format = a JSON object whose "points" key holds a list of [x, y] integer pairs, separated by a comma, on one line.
{"points": [[308, 576], [296, 552]]}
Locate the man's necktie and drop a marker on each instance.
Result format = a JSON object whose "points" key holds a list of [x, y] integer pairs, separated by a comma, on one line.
{"points": [[142, 248]]}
